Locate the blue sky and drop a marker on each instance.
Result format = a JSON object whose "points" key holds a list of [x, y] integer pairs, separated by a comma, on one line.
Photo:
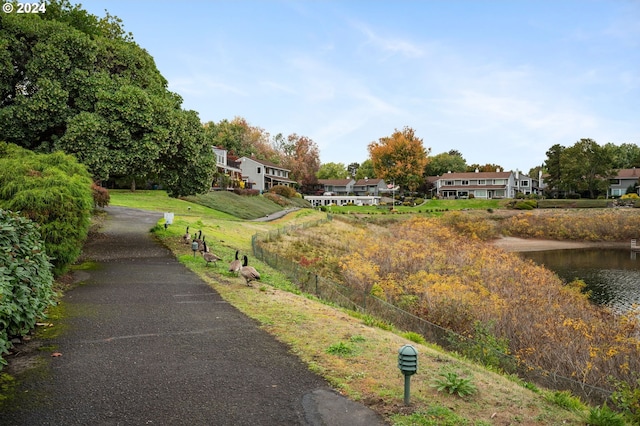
{"points": [[500, 81]]}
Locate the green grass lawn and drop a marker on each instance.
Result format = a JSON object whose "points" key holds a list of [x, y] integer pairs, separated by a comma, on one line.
{"points": [[427, 206]]}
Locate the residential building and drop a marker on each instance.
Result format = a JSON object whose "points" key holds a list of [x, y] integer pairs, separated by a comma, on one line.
{"points": [[625, 178], [368, 186], [228, 168], [336, 186], [496, 184], [263, 175]]}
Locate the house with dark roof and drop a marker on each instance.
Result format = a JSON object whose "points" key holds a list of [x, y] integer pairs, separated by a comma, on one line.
{"points": [[263, 175], [477, 184], [368, 186], [625, 178], [336, 186]]}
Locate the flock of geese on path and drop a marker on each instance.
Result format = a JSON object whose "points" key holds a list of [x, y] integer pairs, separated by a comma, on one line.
{"points": [[236, 266]]}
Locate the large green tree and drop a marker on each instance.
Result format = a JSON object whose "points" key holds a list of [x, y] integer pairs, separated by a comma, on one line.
{"points": [[332, 171], [451, 161], [588, 167], [74, 82]]}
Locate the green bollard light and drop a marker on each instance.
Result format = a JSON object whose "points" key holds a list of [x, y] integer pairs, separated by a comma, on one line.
{"points": [[408, 364]]}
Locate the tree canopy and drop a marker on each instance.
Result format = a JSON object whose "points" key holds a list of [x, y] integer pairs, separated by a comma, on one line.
{"points": [[585, 167], [332, 171], [451, 161], [401, 158], [74, 82]]}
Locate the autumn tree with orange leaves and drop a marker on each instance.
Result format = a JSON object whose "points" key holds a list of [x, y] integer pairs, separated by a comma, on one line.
{"points": [[400, 158]]}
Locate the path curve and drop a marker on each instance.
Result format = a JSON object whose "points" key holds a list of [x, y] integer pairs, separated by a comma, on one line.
{"points": [[146, 341]]}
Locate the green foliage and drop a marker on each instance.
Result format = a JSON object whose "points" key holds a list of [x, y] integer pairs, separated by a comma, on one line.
{"points": [[74, 82], [627, 399], [237, 205], [435, 415], [565, 399], [25, 277], [52, 190], [414, 337], [341, 349], [604, 416], [452, 383], [332, 171], [486, 348]]}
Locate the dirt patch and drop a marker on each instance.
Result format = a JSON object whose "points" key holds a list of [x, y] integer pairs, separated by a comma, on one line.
{"points": [[513, 244]]}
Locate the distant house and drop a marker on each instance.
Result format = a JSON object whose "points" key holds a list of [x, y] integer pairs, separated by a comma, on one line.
{"points": [[370, 187], [263, 175], [625, 178], [487, 185], [227, 167], [336, 186]]}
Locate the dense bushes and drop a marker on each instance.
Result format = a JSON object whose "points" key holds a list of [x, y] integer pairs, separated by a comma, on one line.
{"points": [[53, 190], [25, 277], [475, 289], [285, 191]]}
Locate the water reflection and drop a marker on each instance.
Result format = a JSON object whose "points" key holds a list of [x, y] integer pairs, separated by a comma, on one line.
{"points": [[612, 275]]}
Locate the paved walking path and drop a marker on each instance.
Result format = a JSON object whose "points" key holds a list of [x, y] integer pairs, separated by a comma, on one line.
{"points": [[146, 341]]}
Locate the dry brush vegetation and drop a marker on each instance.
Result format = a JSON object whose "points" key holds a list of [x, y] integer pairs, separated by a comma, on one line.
{"points": [[459, 281]]}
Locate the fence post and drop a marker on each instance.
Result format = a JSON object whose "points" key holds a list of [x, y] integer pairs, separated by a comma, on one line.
{"points": [[317, 294]]}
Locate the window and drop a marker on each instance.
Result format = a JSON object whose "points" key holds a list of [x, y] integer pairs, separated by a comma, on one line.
{"points": [[524, 183], [465, 182], [482, 182], [259, 170], [614, 181], [448, 182]]}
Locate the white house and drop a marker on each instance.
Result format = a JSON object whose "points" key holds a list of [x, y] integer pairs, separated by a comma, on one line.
{"points": [[226, 167], [497, 184], [263, 175]]}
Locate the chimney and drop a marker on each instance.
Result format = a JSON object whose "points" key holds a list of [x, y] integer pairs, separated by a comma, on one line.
{"points": [[477, 171]]}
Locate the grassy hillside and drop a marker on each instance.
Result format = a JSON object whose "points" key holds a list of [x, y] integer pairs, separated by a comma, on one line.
{"points": [[355, 353]]}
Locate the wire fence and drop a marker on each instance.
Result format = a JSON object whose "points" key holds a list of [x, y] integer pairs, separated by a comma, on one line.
{"points": [[384, 312]]}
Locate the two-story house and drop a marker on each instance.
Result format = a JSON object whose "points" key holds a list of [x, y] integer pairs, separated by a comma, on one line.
{"points": [[263, 175], [229, 172], [368, 186], [336, 186], [625, 178], [496, 184]]}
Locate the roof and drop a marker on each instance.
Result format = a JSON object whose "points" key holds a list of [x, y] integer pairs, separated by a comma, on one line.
{"points": [[476, 175], [367, 182], [628, 173], [267, 163], [335, 182]]}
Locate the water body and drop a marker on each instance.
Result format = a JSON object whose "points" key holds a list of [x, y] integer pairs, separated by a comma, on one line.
{"points": [[612, 275]]}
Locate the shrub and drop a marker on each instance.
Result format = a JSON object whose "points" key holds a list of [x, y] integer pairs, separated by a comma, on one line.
{"points": [[340, 349], [246, 192], [101, 196], [278, 199], [604, 416], [454, 384], [285, 191], [25, 278], [53, 190]]}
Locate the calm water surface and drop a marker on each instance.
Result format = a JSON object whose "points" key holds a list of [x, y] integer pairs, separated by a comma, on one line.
{"points": [[612, 275]]}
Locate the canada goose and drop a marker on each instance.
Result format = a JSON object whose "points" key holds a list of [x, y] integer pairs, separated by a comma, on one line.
{"points": [[202, 246], [187, 237], [249, 272], [209, 257], [235, 265]]}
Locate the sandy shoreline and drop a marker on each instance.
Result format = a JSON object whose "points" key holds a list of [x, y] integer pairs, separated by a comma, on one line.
{"points": [[512, 244]]}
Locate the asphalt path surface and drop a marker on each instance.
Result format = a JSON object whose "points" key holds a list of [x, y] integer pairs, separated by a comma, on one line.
{"points": [[147, 342]]}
